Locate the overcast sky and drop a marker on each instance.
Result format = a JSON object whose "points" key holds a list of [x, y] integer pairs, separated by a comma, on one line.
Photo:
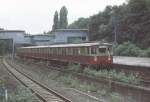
{"points": [[36, 16]]}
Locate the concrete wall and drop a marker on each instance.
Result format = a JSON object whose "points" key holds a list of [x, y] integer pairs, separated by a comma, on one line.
{"points": [[17, 36], [42, 39], [59, 36], [62, 36]]}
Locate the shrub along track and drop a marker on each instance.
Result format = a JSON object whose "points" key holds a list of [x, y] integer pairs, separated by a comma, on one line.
{"points": [[140, 93], [143, 93], [69, 93], [144, 72], [44, 93]]}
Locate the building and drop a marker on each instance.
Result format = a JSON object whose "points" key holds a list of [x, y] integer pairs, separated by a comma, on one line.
{"points": [[70, 35], [20, 38], [40, 39], [17, 36]]}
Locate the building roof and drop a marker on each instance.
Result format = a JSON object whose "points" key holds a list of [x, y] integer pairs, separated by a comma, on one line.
{"points": [[12, 31], [72, 45], [71, 30], [50, 35]]}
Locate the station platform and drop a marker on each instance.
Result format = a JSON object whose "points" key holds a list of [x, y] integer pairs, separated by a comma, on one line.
{"points": [[132, 61]]}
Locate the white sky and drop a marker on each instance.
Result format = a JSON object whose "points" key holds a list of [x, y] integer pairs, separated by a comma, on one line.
{"points": [[36, 16]]}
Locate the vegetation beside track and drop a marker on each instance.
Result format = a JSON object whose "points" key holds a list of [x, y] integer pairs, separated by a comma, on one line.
{"points": [[22, 94], [19, 94], [108, 74], [102, 91], [66, 79], [130, 49]]}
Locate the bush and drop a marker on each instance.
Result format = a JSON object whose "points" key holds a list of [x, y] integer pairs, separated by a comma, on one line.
{"points": [[22, 94], [113, 74], [74, 67], [147, 51], [115, 97], [127, 49]]}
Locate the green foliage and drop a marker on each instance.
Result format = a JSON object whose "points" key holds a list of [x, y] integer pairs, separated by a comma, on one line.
{"points": [[115, 97], [88, 87], [89, 71], [56, 21], [5, 46], [112, 74], [20, 95], [74, 67], [63, 22], [75, 83], [136, 6], [127, 49], [81, 23], [147, 52], [128, 21], [130, 49]]}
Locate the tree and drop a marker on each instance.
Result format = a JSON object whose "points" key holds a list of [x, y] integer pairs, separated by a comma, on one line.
{"points": [[56, 21], [63, 23], [81, 23], [137, 6]]}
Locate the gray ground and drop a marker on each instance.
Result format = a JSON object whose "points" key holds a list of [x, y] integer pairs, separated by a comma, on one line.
{"points": [[10, 82], [49, 77], [138, 61]]}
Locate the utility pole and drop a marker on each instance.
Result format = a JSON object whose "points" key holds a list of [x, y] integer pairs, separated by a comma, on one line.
{"points": [[13, 49], [115, 32], [114, 21]]}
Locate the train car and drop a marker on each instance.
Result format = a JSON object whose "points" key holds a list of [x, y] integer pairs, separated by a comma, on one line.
{"points": [[94, 53]]}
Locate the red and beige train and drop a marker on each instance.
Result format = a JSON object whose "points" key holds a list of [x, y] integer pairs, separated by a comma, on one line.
{"points": [[91, 53]]}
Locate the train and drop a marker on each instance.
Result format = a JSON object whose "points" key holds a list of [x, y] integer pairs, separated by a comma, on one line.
{"points": [[90, 53]]}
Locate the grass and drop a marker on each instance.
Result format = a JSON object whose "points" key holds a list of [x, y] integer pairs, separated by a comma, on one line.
{"points": [[112, 74], [20, 95], [115, 97], [74, 67], [75, 83], [109, 74]]}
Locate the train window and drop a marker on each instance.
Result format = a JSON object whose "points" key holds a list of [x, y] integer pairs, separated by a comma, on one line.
{"points": [[69, 51], [53, 51], [59, 51], [56, 51], [75, 51], [66, 50], [82, 51], [63, 51], [46, 51], [93, 51], [39, 50], [102, 50], [79, 51], [110, 50], [85, 51]]}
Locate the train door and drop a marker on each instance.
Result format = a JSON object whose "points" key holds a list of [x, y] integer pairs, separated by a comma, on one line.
{"points": [[94, 53]]}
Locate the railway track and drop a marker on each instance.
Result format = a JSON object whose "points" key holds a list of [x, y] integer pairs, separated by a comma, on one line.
{"points": [[44, 93], [144, 72], [143, 93]]}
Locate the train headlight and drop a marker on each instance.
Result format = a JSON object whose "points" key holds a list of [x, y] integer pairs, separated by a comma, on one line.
{"points": [[95, 58], [109, 58]]}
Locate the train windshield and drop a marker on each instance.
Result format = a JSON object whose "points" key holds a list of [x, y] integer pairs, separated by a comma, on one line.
{"points": [[102, 50]]}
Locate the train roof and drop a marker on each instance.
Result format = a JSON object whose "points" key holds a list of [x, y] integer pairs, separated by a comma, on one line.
{"points": [[72, 45]]}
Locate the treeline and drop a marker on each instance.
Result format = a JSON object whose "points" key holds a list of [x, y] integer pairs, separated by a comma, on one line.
{"points": [[129, 22], [60, 20]]}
